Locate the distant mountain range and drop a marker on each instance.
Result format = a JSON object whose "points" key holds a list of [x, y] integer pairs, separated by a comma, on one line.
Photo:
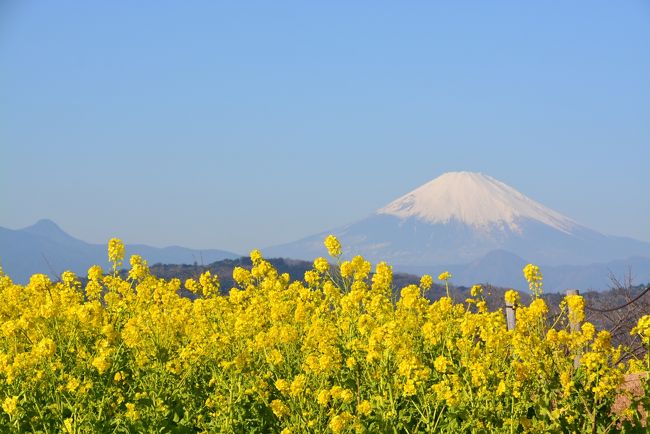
{"points": [[480, 229], [46, 248], [484, 230], [503, 268]]}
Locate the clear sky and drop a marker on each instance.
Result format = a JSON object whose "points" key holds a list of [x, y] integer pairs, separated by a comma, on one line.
{"points": [[245, 124]]}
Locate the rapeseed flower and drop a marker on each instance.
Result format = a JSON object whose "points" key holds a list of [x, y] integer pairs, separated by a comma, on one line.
{"points": [[334, 352], [333, 246]]}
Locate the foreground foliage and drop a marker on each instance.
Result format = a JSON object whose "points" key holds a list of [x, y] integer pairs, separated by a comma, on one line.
{"points": [[332, 353]]}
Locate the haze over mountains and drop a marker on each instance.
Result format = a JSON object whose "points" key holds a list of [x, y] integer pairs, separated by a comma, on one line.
{"points": [[480, 229], [46, 248], [479, 226]]}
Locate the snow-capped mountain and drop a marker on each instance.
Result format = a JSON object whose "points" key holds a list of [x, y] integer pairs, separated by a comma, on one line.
{"points": [[459, 218], [475, 200]]}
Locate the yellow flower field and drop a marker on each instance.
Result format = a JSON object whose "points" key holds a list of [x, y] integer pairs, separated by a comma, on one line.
{"points": [[334, 352]]}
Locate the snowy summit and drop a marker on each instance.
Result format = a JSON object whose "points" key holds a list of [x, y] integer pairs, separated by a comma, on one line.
{"points": [[476, 200]]}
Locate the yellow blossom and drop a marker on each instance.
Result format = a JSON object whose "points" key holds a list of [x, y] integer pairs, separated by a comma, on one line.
{"points": [[364, 408], [534, 278], [642, 328], [333, 246], [131, 412], [10, 405], [576, 304], [512, 297], [282, 385], [139, 269], [321, 265], [323, 397], [501, 388], [298, 385], [441, 364], [255, 256], [210, 285], [279, 408], [69, 278], [340, 422], [347, 269], [95, 272], [115, 251]]}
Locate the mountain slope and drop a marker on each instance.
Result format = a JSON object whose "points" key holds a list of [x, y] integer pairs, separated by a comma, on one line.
{"points": [[475, 200], [46, 248], [461, 217], [503, 268]]}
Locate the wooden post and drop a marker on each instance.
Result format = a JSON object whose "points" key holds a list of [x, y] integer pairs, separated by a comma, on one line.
{"points": [[510, 316], [575, 327]]}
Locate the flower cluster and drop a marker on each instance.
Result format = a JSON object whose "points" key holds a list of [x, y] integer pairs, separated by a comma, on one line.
{"points": [[534, 278], [333, 352]]}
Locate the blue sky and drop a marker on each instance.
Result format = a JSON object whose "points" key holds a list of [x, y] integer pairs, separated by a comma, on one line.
{"points": [[245, 124]]}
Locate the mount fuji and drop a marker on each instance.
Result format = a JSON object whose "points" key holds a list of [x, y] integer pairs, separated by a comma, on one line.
{"points": [[462, 219]]}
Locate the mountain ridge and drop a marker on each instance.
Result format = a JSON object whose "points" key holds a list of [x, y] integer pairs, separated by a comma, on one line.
{"points": [[433, 226], [46, 248], [414, 231]]}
